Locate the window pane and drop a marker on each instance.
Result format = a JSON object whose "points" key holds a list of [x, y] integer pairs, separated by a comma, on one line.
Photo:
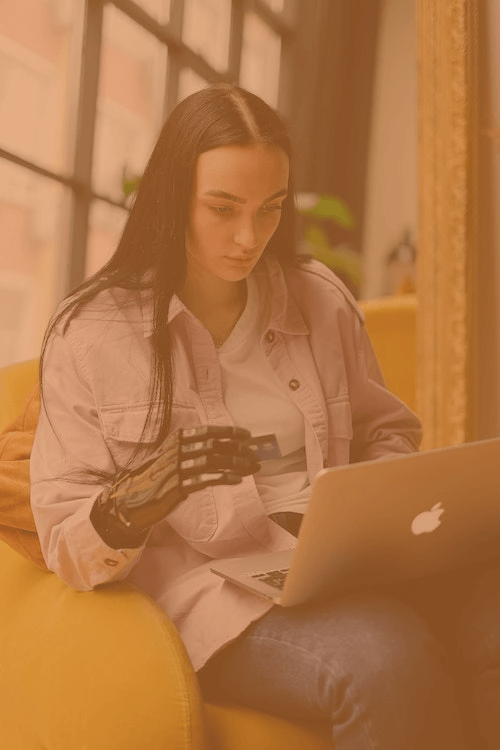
{"points": [[158, 9], [206, 29], [130, 102], [106, 224], [189, 83], [33, 244], [260, 59], [276, 5], [40, 52]]}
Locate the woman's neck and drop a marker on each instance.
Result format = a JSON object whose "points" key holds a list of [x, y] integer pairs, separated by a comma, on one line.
{"points": [[218, 308], [214, 298]]}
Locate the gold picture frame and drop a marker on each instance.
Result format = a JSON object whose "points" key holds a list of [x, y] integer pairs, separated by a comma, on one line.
{"points": [[447, 33]]}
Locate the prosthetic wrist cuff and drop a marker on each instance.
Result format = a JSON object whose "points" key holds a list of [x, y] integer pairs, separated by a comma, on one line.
{"points": [[112, 531]]}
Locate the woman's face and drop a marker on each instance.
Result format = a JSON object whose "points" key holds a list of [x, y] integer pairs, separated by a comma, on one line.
{"points": [[236, 207]]}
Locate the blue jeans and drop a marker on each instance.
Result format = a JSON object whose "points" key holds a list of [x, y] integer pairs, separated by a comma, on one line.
{"points": [[463, 610], [401, 668]]}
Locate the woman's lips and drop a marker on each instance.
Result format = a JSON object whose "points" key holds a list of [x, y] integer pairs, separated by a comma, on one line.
{"points": [[241, 261]]}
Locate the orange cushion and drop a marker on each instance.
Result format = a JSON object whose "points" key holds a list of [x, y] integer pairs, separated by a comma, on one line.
{"points": [[237, 728]]}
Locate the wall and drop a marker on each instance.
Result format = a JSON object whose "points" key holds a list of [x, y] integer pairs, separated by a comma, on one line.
{"points": [[488, 271], [391, 189]]}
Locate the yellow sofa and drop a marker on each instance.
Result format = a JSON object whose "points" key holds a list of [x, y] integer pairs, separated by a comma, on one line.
{"points": [[106, 669], [391, 323]]}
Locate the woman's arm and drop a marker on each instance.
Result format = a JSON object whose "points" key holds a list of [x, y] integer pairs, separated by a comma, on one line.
{"points": [[68, 446], [92, 531], [382, 424]]}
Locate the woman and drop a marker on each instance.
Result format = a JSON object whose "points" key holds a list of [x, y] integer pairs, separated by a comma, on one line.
{"points": [[206, 316]]}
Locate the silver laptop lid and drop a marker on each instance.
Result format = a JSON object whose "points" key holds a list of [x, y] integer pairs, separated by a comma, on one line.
{"points": [[404, 516]]}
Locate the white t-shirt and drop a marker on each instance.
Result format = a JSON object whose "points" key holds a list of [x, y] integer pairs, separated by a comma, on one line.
{"points": [[256, 400]]}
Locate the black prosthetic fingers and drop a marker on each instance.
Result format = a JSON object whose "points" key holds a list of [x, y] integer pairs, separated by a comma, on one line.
{"points": [[188, 460]]}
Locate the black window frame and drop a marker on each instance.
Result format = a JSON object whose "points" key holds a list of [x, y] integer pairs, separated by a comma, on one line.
{"points": [[78, 179]]}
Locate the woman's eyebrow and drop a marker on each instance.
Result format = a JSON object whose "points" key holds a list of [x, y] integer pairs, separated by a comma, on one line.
{"points": [[236, 199]]}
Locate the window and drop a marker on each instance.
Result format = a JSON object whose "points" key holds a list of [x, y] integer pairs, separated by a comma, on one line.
{"points": [[260, 59], [189, 83], [278, 6], [33, 228], [39, 70], [75, 133], [130, 98], [106, 224], [206, 30], [159, 9]]}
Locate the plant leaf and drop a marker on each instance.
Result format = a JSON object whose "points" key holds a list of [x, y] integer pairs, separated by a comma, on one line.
{"points": [[316, 237], [336, 259], [335, 209], [130, 186]]}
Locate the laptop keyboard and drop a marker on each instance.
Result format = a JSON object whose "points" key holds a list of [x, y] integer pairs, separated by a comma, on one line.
{"points": [[274, 578]]}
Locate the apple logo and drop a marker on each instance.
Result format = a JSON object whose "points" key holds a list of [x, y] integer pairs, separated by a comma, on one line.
{"points": [[428, 520]]}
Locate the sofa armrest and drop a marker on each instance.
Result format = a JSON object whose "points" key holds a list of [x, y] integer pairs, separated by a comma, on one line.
{"points": [[99, 669]]}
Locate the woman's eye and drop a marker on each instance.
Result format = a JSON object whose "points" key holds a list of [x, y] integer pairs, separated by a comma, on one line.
{"points": [[272, 208], [222, 210]]}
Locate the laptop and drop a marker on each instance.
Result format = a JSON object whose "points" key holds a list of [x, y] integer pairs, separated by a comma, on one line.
{"points": [[382, 521]]}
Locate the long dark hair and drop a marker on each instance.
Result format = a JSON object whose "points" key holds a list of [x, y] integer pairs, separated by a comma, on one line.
{"points": [[153, 239]]}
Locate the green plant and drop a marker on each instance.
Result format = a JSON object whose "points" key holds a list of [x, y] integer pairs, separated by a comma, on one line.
{"points": [[130, 184], [340, 259]]}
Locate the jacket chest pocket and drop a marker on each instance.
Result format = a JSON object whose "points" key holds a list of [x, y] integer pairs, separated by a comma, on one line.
{"points": [[123, 426], [194, 519], [340, 430]]}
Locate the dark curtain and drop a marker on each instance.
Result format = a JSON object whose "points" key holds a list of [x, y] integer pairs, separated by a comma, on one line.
{"points": [[334, 66]]}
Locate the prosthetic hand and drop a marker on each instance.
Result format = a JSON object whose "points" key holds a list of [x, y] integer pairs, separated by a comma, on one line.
{"points": [[187, 461]]}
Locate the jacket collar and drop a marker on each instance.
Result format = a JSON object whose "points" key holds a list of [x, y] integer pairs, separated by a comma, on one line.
{"points": [[284, 315], [147, 310]]}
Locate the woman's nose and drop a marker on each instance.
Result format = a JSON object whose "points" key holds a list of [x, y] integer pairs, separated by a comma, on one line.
{"points": [[246, 235]]}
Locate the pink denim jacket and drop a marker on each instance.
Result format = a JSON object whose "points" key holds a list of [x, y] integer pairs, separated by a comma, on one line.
{"points": [[95, 381]]}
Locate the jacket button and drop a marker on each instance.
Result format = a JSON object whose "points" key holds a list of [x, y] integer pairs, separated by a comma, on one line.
{"points": [[109, 561], [294, 384], [269, 336], [326, 463]]}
